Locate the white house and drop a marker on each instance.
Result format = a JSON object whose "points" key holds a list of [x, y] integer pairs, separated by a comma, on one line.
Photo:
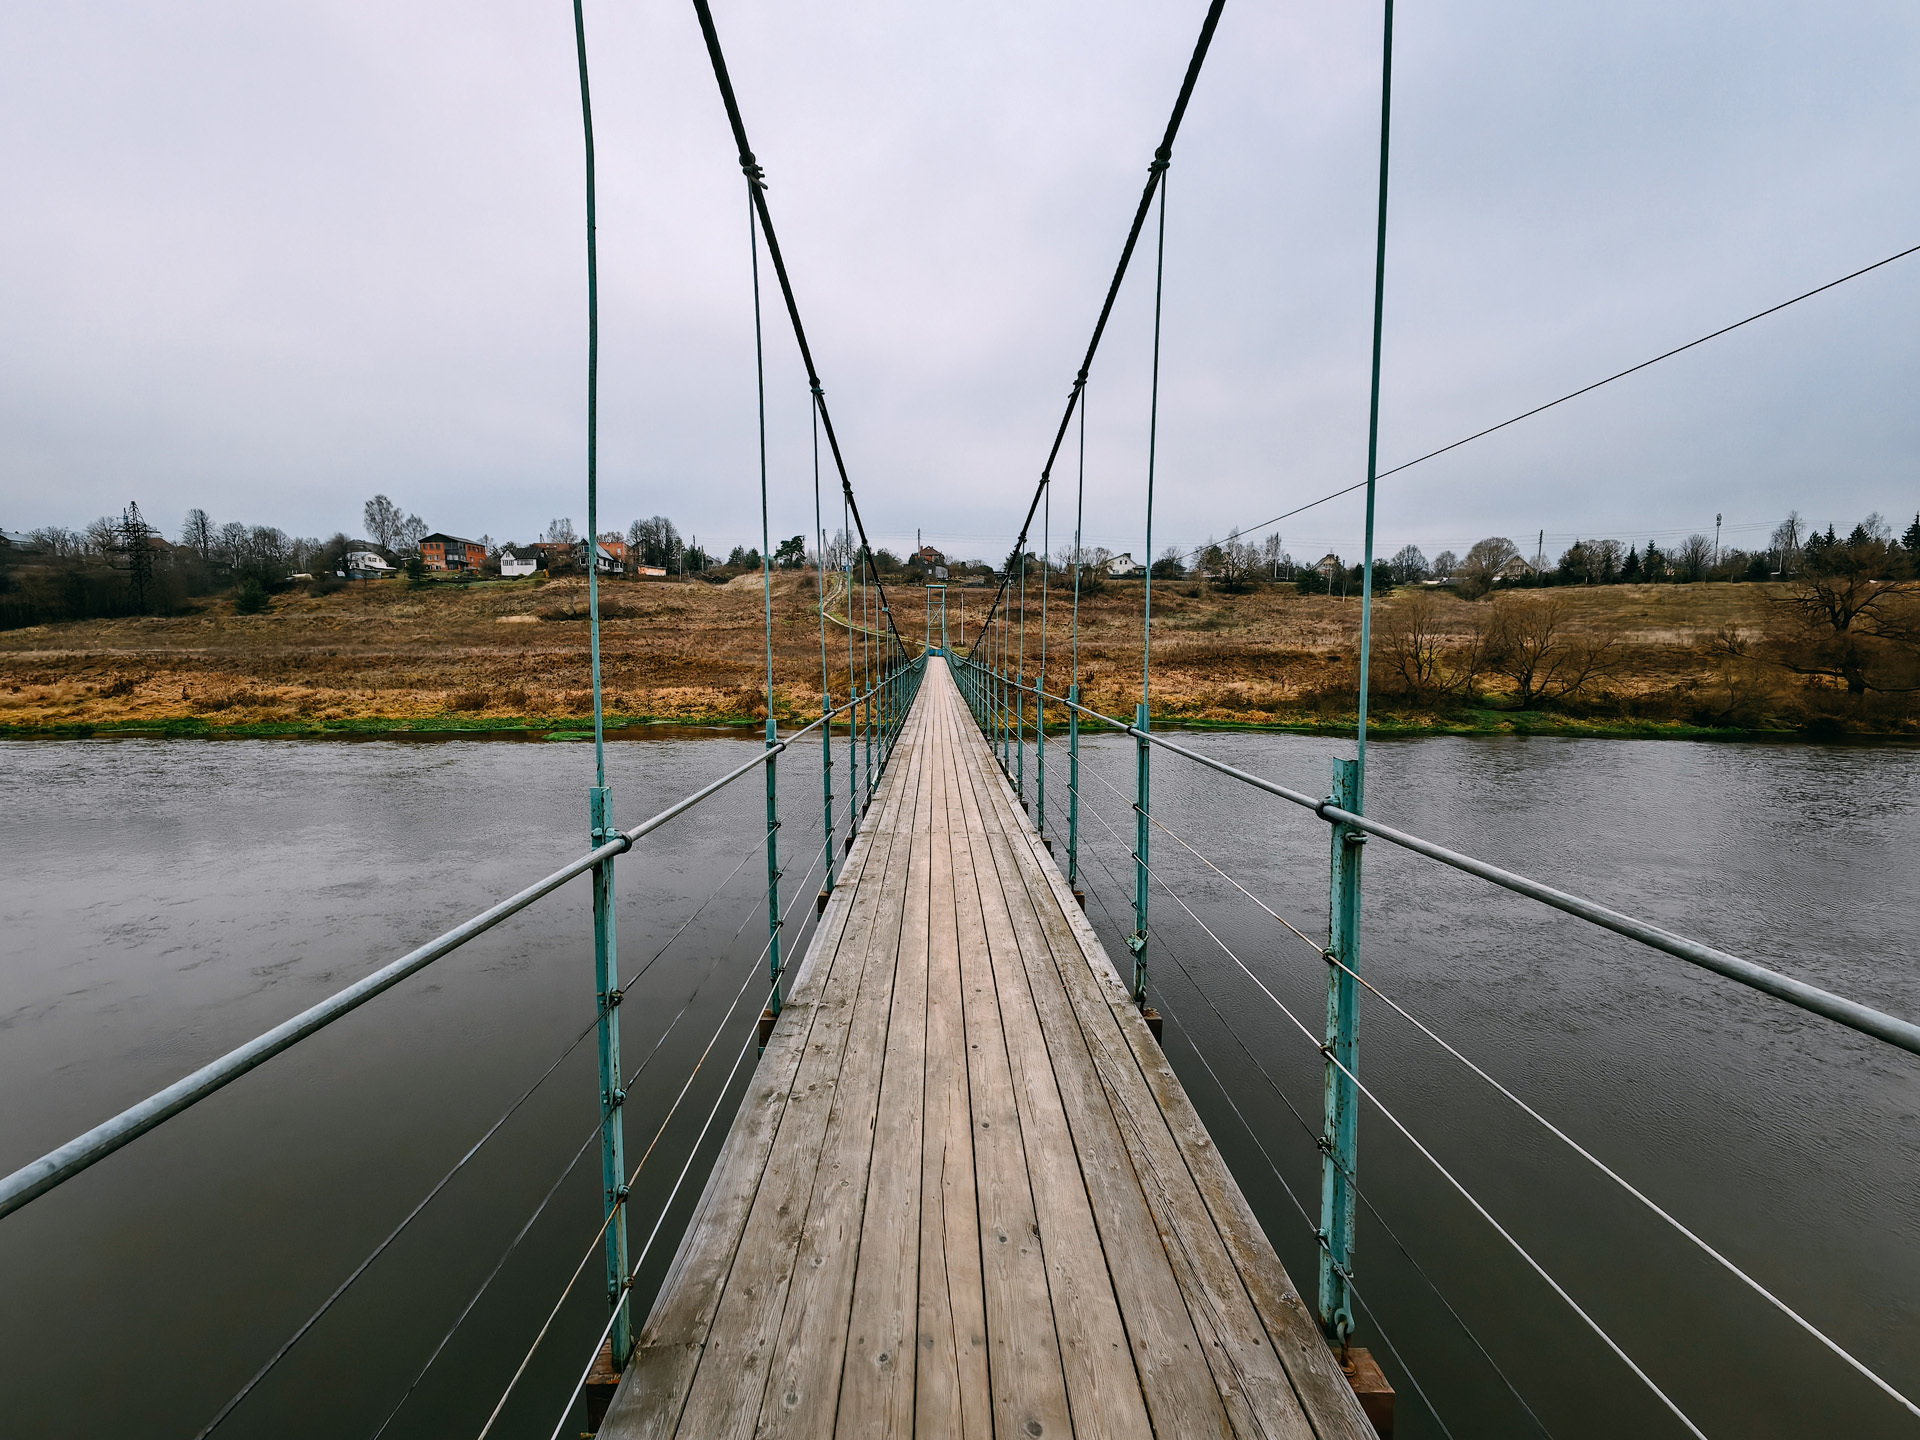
{"points": [[516, 561], [366, 565], [1120, 566]]}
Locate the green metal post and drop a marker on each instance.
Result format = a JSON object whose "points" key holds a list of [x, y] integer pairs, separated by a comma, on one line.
{"points": [[1040, 756], [1340, 1136], [826, 784], [773, 867], [1073, 787], [606, 980], [1137, 942]]}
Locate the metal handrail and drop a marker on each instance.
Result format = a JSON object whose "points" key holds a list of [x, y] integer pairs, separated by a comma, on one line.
{"points": [[60, 1165], [1890, 1028]]}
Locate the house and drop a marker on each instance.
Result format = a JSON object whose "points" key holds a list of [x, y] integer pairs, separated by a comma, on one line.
{"points": [[1119, 567], [648, 572], [1329, 567], [516, 560], [18, 542], [367, 565], [616, 547], [930, 557], [605, 562], [450, 552], [557, 557], [1518, 568]]}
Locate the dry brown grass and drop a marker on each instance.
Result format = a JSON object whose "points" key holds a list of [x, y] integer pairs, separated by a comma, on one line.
{"points": [[383, 651]]}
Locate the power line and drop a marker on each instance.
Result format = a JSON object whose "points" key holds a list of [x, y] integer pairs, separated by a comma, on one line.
{"points": [[1584, 389]]}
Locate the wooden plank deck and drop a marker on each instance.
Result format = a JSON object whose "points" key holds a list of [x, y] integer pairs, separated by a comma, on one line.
{"points": [[966, 1195]]}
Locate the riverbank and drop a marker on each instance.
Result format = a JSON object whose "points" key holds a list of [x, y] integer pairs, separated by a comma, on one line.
{"points": [[509, 659]]}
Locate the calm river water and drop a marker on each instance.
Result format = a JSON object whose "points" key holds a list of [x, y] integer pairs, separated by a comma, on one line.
{"points": [[162, 901]]}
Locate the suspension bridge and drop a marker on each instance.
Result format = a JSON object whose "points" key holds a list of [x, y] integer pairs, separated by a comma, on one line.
{"points": [[966, 1193]]}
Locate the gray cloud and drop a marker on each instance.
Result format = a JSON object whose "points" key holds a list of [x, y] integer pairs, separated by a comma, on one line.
{"points": [[270, 260]]}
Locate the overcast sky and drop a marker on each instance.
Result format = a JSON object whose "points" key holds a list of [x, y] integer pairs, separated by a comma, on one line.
{"points": [[272, 259]]}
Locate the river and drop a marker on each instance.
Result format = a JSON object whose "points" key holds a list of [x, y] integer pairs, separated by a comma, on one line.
{"points": [[163, 900]]}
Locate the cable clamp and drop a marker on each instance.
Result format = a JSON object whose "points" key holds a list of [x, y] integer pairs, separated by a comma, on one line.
{"points": [[616, 1099], [622, 1193], [1321, 808], [614, 997], [1330, 957], [750, 167], [1355, 838]]}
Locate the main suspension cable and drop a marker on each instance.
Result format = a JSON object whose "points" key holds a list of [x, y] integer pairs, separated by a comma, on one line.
{"points": [[1156, 171], [751, 168]]}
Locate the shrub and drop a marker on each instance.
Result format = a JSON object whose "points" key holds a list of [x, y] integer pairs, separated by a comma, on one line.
{"points": [[250, 597]]}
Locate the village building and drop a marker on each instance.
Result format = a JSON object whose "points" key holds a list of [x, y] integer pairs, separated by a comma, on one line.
{"points": [[367, 565], [517, 561], [451, 552]]}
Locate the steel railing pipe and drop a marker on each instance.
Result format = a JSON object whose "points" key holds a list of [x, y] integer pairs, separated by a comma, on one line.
{"points": [[1864, 1018], [60, 1165]]}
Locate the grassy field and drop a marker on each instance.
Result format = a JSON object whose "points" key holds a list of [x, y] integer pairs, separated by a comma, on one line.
{"points": [[512, 656]]}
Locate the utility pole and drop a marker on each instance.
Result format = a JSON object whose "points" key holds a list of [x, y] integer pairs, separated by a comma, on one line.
{"points": [[1716, 541]]}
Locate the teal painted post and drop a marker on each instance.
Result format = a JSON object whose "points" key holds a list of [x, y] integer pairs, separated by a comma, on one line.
{"points": [[867, 795], [1339, 1138], [613, 1158], [773, 867], [826, 784], [1073, 787], [1040, 756], [1020, 741], [1137, 942]]}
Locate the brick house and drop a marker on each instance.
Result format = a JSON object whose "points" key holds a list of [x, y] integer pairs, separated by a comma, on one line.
{"points": [[450, 552]]}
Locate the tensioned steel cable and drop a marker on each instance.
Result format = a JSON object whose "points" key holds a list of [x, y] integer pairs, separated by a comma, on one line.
{"points": [[393, 1235], [1434, 1161], [1307, 1130], [632, 1275], [1551, 1128], [1365, 1200], [1162, 156], [594, 1244], [658, 1222], [1576, 394], [757, 176]]}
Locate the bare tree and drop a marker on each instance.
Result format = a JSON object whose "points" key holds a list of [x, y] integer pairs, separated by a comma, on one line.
{"points": [[60, 542], [1428, 647], [1272, 557], [1691, 560], [197, 533], [1530, 641], [1852, 620], [383, 519], [102, 537], [1408, 565], [561, 532], [1445, 564], [1232, 562], [1482, 565], [412, 531]]}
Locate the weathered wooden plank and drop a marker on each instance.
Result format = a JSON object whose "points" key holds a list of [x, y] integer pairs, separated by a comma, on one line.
{"points": [[668, 1348], [1252, 1268], [1023, 1349], [745, 1298], [1168, 1357], [803, 1375], [952, 1393], [967, 1196], [1246, 1374], [1102, 1384], [876, 1382]]}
